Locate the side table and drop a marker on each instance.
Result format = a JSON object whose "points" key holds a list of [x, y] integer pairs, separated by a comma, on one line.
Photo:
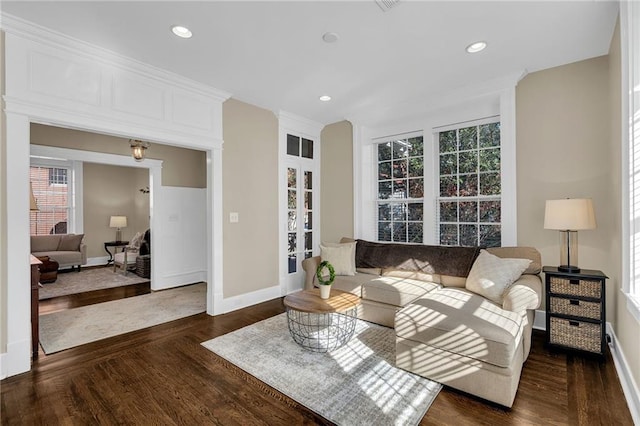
{"points": [[116, 245], [321, 325], [576, 310]]}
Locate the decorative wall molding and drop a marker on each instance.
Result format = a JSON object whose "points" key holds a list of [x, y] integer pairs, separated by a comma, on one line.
{"points": [[58, 80], [248, 299], [53, 75]]}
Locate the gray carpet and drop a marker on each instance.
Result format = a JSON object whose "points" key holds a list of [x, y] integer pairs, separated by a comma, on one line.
{"points": [[87, 280], [74, 327], [357, 384]]}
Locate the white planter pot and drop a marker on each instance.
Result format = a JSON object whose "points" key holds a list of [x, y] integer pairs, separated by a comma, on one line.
{"points": [[325, 291]]}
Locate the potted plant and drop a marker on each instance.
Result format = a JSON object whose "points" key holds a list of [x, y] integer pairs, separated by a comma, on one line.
{"points": [[323, 281]]}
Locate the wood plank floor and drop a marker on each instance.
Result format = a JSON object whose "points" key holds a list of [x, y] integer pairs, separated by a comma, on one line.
{"points": [[163, 376]]}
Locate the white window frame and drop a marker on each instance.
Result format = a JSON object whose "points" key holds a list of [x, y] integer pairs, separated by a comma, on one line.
{"points": [[630, 39], [75, 223], [499, 102], [436, 175], [407, 200]]}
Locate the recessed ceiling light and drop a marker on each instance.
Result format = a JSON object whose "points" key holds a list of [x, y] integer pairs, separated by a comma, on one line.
{"points": [[325, 98], [476, 47], [330, 37], [181, 31]]}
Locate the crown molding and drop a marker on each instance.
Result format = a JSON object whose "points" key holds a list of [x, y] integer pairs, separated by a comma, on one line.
{"points": [[30, 31]]}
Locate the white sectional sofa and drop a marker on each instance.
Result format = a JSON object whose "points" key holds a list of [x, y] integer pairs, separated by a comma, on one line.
{"points": [[444, 331]]}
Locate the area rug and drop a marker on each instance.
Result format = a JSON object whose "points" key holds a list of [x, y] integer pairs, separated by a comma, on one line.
{"points": [[87, 280], [357, 384], [74, 327]]}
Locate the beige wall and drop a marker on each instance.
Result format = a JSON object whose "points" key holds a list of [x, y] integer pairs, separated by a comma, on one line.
{"points": [[180, 167], [627, 329], [336, 195], [113, 191], [563, 127], [250, 187]]}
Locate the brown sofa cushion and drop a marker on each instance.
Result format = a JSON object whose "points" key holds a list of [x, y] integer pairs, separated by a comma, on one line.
{"points": [[442, 260], [70, 242]]}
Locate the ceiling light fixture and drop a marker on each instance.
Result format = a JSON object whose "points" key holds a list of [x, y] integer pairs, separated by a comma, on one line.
{"points": [[325, 98], [476, 47], [330, 37], [182, 32], [138, 149]]}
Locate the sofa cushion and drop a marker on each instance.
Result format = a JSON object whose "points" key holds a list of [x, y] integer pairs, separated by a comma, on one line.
{"points": [[340, 256], [396, 291], [40, 243], [491, 275], [64, 258], [352, 283], [442, 260], [458, 321], [70, 242]]}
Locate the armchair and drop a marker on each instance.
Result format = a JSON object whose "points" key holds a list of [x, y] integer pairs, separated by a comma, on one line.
{"points": [[127, 258]]}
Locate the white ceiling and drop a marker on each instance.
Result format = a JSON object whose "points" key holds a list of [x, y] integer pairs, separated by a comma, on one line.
{"points": [[271, 54]]}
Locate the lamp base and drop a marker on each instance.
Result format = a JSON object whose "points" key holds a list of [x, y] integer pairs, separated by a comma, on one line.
{"points": [[568, 268]]}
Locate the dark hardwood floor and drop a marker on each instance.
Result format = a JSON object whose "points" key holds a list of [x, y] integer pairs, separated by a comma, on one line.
{"points": [[163, 376]]}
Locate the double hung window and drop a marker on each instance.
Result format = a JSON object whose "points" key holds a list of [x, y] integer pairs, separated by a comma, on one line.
{"points": [[401, 190], [469, 197], [51, 190]]}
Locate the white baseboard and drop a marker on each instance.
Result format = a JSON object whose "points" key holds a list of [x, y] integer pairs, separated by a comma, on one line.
{"points": [[97, 261], [629, 385], [540, 320], [242, 301], [3, 366], [177, 280], [17, 359]]}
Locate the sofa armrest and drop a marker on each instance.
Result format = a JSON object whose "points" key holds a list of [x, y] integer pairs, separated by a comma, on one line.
{"points": [[83, 252], [310, 265], [525, 293]]}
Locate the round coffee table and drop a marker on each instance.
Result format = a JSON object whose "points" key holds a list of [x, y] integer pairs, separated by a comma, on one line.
{"points": [[321, 325]]}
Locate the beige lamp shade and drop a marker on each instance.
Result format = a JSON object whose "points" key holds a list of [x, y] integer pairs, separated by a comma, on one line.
{"points": [[571, 214], [118, 222]]}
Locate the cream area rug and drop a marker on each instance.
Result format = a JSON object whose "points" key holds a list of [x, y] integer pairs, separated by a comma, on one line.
{"points": [[74, 327], [87, 280], [357, 384]]}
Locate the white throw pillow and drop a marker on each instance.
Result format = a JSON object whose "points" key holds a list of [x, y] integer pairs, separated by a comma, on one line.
{"points": [[136, 241], [341, 256], [491, 275]]}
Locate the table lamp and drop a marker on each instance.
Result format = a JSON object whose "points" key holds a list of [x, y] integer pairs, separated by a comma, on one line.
{"points": [[569, 216], [118, 222]]}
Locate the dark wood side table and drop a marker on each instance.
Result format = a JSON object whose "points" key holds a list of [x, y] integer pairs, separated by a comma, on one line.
{"points": [[35, 282], [576, 315], [116, 245]]}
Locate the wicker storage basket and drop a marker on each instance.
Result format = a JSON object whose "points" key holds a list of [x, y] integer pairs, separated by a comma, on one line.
{"points": [[576, 308], [143, 266], [575, 334], [585, 288]]}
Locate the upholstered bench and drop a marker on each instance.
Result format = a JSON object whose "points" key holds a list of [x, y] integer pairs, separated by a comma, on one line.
{"points": [[462, 340]]}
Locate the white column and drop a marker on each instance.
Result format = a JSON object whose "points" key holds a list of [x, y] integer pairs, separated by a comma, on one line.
{"points": [[18, 265]]}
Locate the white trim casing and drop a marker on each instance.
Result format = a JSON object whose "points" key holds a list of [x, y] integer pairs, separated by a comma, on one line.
{"points": [[57, 80], [293, 124]]}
